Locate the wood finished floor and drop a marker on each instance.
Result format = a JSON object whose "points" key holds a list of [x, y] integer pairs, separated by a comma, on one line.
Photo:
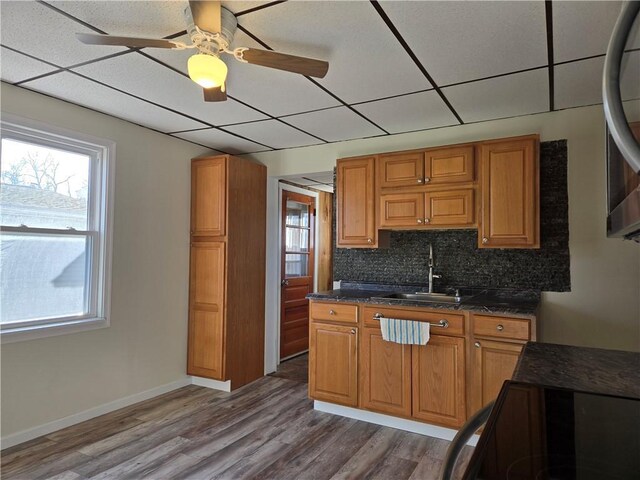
{"points": [[266, 430]]}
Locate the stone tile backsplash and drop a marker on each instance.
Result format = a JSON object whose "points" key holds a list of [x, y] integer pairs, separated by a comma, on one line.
{"points": [[457, 257]]}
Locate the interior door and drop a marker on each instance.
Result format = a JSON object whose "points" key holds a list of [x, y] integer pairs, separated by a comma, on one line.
{"points": [[297, 258]]}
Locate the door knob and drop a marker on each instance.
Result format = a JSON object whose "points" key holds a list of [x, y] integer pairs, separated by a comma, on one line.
{"points": [[284, 283]]}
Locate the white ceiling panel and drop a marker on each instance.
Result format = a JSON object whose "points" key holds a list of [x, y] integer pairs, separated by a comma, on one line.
{"points": [[582, 29], [272, 91], [334, 124], [508, 96], [81, 91], [417, 111], [462, 41], [35, 29], [220, 140], [580, 83], [131, 18], [147, 79], [15, 67], [273, 133], [237, 6], [366, 62], [321, 177]]}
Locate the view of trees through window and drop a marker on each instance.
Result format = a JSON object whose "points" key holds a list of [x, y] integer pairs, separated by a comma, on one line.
{"points": [[43, 272]]}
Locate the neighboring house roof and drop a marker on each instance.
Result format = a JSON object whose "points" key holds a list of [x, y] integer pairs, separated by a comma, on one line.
{"points": [[36, 197]]}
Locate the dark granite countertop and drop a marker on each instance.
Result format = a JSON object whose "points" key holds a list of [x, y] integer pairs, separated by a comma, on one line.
{"points": [[584, 369], [499, 301]]}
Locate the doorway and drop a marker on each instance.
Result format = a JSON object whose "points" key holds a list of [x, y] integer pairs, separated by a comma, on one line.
{"points": [[297, 267]]}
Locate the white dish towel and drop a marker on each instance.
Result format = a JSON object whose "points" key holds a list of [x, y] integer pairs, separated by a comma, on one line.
{"points": [[404, 331]]}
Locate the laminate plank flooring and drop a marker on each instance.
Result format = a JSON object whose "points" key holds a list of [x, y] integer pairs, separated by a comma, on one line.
{"points": [[265, 430]]}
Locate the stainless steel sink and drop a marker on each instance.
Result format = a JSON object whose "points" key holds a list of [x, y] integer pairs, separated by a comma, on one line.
{"points": [[425, 297]]}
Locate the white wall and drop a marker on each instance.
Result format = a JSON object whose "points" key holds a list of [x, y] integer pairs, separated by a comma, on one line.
{"points": [[145, 346], [603, 308]]}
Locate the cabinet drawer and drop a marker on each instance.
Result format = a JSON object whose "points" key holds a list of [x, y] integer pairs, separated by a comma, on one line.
{"points": [[337, 312], [501, 327], [455, 321]]}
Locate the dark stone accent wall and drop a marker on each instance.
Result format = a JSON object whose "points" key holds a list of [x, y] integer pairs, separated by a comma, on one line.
{"points": [[457, 257]]}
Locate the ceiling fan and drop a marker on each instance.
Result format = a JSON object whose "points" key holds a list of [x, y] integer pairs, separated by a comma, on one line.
{"points": [[211, 28]]}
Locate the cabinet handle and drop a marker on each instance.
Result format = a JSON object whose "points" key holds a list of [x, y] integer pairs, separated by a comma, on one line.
{"points": [[332, 312], [427, 180], [485, 240], [427, 220], [500, 328], [353, 331], [477, 345], [369, 240], [419, 220], [420, 180]]}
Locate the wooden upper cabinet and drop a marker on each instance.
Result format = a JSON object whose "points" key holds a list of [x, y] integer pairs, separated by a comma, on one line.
{"points": [[449, 165], [439, 381], [333, 363], [209, 196], [385, 374], [355, 185], [401, 169], [450, 207], [510, 197], [401, 209]]}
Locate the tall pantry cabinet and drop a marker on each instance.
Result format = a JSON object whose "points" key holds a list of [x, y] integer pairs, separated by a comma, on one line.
{"points": [[227, 269]]}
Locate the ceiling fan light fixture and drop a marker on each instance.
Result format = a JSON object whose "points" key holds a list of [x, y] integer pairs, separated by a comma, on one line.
{"points": [[208, 71]]}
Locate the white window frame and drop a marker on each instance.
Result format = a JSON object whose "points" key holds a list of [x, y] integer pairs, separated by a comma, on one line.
{"points": [[98, 233]]}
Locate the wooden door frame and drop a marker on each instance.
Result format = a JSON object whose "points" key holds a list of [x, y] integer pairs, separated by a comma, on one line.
{"points": [[290, 188]]}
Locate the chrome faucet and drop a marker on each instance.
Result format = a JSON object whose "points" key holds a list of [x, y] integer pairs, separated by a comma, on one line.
{"points": [[431, 274]]}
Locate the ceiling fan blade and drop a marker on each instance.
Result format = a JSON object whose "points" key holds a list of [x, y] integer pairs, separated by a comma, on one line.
{"points": [[290, 63], [214, 94], [97, 39], [206, 15]]}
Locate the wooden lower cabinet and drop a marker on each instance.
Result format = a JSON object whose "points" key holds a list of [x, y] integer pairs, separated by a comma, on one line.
{"points": [[438, 379], [385, 374], [333, 363], [493, 363]]}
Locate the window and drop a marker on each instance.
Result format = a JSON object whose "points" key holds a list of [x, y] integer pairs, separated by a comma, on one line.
{"points": [[55, 244]]}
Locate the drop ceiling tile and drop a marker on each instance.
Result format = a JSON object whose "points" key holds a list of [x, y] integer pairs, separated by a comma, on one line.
{"points": [[508, 96], [582, 29], [366, 62], [462, 41], [152, 19], [580, 83], [321, 177], [273, 133], [222, 141], [334, 124], [15, 67], [417, 111], [147, 79], [272, 91], [81, 91], [35, 29], [237, 6]]}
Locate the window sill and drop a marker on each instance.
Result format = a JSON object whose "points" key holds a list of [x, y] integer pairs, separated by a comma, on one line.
{"points": [[22, 334]]}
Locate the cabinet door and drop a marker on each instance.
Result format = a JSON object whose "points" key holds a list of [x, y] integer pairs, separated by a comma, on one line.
{"points": [[451, 207], [206, 312], [385, 374], [401, 210], [449, 165], [333, 363], [510, 195], [493, 363], [439, 381], [209, 196], [401, 169], [355, 185]]}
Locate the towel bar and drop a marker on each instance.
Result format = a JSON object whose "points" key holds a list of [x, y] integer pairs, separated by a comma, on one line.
{"points": [[442, 323]]}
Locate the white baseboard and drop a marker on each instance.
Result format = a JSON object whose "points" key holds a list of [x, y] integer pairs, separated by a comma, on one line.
{"points": [[389, 421], [47, 428], [209, 383]]}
